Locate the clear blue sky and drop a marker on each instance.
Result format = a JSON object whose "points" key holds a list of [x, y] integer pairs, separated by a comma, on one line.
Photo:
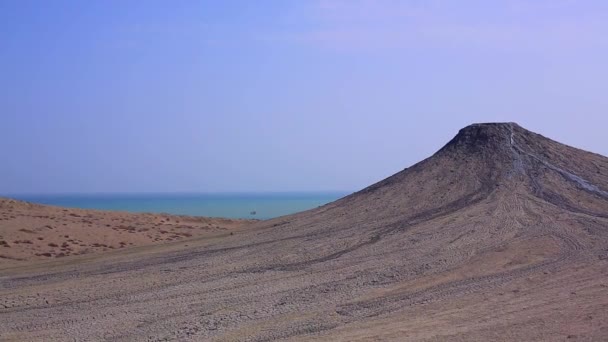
{"points": [[207, 96]]}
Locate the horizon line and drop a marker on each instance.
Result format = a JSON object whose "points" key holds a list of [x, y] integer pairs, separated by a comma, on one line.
{"points": [[174, 192]]}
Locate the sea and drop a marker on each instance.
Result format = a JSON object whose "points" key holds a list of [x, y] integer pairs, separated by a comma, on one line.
{"points": [[229, 205]]}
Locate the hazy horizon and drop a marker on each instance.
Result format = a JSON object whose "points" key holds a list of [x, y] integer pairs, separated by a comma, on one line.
{"points": [[226, 205], [179, 193], [284, 96]]}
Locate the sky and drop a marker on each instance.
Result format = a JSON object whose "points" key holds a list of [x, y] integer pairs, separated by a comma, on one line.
{"points": [[283, 95]]}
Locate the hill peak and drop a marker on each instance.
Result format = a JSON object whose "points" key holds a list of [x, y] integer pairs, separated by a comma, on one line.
{"points": [[483, 157], [484, 135]]}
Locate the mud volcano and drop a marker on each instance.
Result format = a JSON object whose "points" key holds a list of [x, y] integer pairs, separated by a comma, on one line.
{"points": [[501, 235]]}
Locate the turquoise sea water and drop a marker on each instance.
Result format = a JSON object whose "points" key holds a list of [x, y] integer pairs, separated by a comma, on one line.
{"points": [[265, 205]]}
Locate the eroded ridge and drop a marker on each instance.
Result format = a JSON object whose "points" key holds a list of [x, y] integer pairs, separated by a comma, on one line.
{"points": [[579, 181]]}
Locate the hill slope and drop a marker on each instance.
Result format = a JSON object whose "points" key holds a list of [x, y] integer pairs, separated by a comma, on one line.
{"points": [[501, 235]]}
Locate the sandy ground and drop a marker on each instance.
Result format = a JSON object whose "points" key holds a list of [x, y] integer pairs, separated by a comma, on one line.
{"points": [[500, 236], [37, 232]]}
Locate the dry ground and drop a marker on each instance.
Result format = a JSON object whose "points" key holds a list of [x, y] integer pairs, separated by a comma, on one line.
{"points": [[500, 236], [37, 232]]}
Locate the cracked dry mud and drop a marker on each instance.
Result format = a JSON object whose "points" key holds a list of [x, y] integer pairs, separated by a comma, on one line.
{"points": [[501, 235]]}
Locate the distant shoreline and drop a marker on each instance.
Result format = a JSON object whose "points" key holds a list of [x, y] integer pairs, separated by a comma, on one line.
{"points": [[232, 205]]}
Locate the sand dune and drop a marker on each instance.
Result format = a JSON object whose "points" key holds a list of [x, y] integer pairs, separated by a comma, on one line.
{"points": [[502, 235], [37, 232]]}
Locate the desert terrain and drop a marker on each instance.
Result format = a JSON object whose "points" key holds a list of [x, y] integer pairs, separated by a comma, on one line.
{"points": [[30, 232], [502, 235]]}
